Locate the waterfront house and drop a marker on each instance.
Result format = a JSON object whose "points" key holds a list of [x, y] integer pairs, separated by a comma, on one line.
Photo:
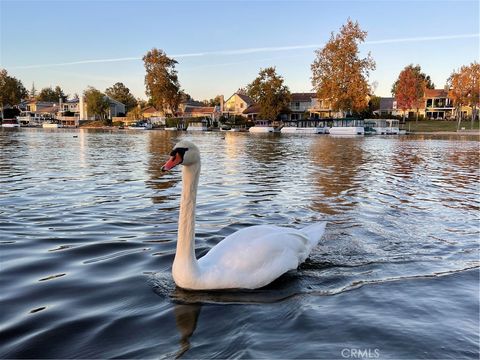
{"points": [[236, 104], [302, 106], [388, 107], [115, 109], [438, 105], [251, 113], [300, 103]]}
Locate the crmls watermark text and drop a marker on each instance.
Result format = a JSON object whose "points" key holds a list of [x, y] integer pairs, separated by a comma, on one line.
{"points": [[366, 353]]}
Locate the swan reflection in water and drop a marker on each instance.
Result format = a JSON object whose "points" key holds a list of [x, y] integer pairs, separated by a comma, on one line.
{"points": [[186, 316], [187, 304]]}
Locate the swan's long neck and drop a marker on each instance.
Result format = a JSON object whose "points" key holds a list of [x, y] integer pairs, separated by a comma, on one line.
{"points": [[185, 263]]}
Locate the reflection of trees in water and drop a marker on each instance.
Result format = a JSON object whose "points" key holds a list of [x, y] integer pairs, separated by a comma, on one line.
{"points": [[267, 158], [160, 144], [405, 158], [10, 145], [466, 161], [337, 162]]}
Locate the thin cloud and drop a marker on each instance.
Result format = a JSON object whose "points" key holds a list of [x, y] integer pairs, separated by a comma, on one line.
{"points": [[252, 50]]}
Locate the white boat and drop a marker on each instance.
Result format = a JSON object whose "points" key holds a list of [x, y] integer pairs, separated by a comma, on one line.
{"points": [[378, 125], [198, 126], [306, 126], [262, 126], [140, 126], [51, 125], [393, 126], [28, 118], [347, 127], [10, 123], [174, 128]]}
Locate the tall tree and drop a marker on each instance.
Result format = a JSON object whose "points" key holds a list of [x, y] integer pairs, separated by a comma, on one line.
{"points": [[33, 91], [213, 102], [59, 93], [12, 90], [418, 72], [409, 90], [465, 89], [339, 74], [122, 93], [269, 91], [161, 81], [47, 94], [97, 104]]}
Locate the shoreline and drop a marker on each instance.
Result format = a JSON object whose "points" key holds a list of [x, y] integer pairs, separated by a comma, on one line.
{"points": [[110, 128]]}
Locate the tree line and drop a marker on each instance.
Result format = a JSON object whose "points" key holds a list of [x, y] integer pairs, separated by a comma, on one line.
{"points": [[339, 76]]}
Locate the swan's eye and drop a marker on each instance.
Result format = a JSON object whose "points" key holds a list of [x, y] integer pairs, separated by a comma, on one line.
{"points": [[180, 151]]}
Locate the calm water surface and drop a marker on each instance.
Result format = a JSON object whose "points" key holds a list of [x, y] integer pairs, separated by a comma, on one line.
{"points": [[88, 233]]}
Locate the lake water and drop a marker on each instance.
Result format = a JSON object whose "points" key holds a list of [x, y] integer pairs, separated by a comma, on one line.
{"points": [[88, 232]]}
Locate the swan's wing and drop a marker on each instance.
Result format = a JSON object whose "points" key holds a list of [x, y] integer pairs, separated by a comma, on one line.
{"points": [[253, 257]]}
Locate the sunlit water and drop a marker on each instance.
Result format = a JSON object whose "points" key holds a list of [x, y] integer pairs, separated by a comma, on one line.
{"points": [[88, 233]]}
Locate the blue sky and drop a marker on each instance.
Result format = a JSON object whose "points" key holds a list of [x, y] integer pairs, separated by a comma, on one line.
{"points": [[221, 45]]}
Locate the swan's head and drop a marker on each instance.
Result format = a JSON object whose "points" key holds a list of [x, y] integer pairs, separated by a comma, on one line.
{"points": [[185, 153]]}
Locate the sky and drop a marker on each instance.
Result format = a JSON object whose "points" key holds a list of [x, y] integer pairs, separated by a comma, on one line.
{"points": [[221, 46]]}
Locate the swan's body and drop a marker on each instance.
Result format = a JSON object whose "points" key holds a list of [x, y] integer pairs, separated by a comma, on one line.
{"points": [[249, 258]]}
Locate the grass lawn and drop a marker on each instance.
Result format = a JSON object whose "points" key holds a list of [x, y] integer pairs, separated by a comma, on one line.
{"points": [[438, 125]]}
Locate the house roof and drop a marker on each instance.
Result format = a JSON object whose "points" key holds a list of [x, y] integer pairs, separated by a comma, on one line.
{"points": [[149, 110], [433, 93], [252, 109], [48, 110], [247, 99], [302, 97], [199, 109]]}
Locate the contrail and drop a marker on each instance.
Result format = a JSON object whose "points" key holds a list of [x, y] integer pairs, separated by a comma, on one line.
{"points": [[253, 50]]}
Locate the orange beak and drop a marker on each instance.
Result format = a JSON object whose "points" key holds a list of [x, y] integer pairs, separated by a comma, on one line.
{"points": [[172, 162]]}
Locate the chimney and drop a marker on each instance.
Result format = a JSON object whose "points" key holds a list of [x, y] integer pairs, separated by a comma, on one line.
{"points": [[222, 101]]}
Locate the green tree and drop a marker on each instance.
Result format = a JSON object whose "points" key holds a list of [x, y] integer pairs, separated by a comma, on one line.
{"points": [[47, 94], [33, 91], [59, 93], [97, 104], [339, 74], [269, 91], [122, 93], [213, 102], [12, 90], [161, 81]]}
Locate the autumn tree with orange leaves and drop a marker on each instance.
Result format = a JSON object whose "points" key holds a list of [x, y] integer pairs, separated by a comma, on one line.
{"points": [[409, 90], [339, 74], [465, 89]]}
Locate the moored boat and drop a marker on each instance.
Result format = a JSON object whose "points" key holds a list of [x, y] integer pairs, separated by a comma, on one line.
{"points": [[51, 125], [393, 126], [347, 127], [200, 125], [10, 123], [262, 126], [140, 125], [305, 126]]}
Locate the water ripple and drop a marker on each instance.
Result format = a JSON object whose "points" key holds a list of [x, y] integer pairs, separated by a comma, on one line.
{"points": [[88, 235]]}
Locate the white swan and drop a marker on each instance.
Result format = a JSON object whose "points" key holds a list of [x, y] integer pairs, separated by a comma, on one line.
{"points": [[247, 259]]}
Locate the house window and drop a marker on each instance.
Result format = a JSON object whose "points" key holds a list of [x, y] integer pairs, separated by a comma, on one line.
{"points": [[241, 105]]}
